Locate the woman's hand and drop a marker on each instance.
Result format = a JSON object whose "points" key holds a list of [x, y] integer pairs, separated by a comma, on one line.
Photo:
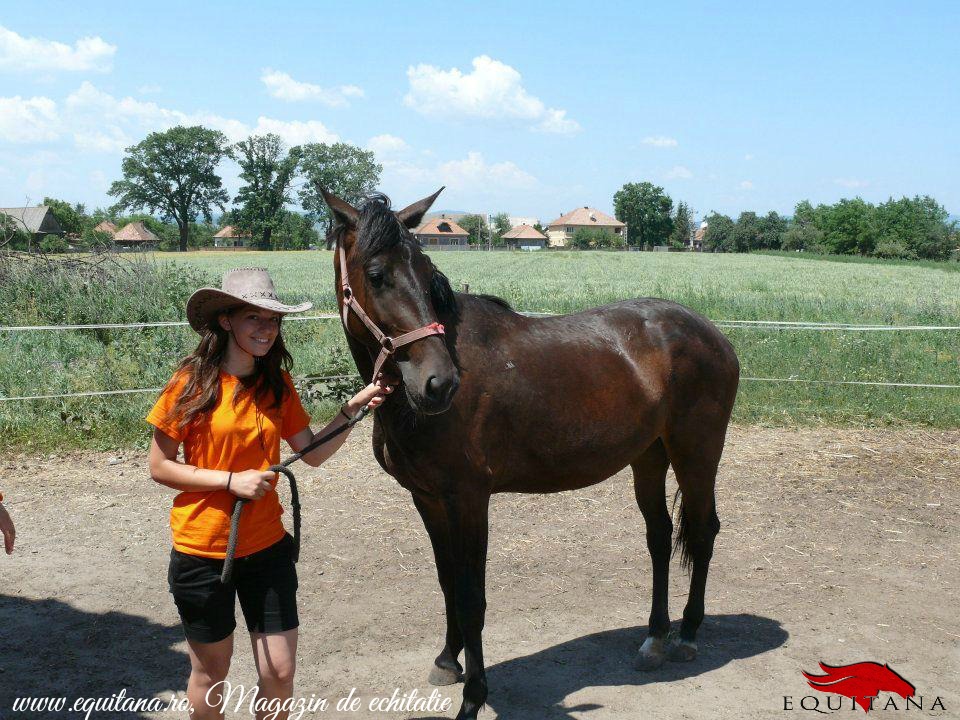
{"points": [[251, 484], [373, 395]]}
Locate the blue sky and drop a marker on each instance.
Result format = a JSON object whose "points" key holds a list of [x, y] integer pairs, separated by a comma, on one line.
{"points": [[531, 108]]}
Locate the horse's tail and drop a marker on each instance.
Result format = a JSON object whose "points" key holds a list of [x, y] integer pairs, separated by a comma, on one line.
{"points": [[682, 541]]}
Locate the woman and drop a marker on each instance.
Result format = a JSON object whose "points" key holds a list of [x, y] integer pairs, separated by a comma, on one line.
{"points": [[229, 403]]}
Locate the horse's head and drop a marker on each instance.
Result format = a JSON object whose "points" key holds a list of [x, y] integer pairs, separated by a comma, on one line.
{"points": [[399, 289]]}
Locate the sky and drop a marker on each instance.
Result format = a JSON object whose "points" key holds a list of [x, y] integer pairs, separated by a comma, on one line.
{"points": [[528, 108]]}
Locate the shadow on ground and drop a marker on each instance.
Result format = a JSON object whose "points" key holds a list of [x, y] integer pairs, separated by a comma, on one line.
{"points": [[536, 685], [48, 648]]}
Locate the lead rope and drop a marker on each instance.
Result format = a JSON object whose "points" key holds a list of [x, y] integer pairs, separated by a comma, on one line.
{"points": [[283, 468]]}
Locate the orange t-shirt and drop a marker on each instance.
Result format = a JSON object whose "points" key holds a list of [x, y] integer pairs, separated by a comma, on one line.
{"points": [[229, 438]]}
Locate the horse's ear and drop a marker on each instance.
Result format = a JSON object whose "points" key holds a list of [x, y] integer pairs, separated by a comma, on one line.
{"points": [[411, 215], [343, 212]]}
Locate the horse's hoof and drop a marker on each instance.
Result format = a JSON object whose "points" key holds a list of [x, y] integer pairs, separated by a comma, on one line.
{"points": [[441, 676], [682, 651], [652, 654]]}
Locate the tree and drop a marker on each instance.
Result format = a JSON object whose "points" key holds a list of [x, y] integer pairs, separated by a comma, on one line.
{"points": [[342, 169], [746, 232], [682, 226], [268, 169], [70, 217], [719, 236], [772, 229], [174, 173], [920, 225], [295, 232], [646, 209], [476, 227], [501, 225]]}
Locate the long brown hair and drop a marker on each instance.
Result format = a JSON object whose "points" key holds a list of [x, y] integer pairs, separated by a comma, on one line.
{"points": [[202, 369]]}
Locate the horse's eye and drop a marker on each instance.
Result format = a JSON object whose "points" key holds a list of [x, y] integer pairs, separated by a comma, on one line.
{"points": [[375, 278]]}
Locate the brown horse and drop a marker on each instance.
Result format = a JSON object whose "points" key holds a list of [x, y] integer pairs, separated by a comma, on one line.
{"points": [[506, 403]]}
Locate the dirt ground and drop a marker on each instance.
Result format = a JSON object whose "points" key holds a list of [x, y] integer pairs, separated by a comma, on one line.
{"points": [[836, 545]]}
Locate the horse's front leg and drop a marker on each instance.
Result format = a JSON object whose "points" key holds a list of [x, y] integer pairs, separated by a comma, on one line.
{"points": [[446, 668], [467, 514]]}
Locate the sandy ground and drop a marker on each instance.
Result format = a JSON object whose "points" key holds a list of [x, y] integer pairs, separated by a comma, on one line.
{"points": [[836, 545]]}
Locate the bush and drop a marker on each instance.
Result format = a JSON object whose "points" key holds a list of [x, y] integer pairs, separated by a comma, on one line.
{"points": [[53, 244], [893, 248]]}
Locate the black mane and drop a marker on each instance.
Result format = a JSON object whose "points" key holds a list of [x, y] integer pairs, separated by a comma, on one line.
{"points": [[379, 229]]}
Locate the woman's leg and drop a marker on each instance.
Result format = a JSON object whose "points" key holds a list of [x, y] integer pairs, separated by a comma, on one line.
{"points": [[209, 663], [275, 655]]}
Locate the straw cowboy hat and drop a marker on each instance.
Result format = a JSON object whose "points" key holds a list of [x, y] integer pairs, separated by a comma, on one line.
{"points": [[243, 286]]}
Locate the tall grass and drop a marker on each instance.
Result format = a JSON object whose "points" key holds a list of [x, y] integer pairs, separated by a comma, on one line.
{"points": [[719, 286]]}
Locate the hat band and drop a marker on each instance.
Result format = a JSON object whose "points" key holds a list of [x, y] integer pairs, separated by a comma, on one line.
{"points": [[270, 295]]}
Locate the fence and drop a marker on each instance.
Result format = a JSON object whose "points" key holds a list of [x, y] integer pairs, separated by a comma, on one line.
{"points": [[778, 325]]}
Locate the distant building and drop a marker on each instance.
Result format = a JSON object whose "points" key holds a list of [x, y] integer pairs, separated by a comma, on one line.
{"points": [[38, 221], [516, 220], [441, 233], [135, 235], [232, 238], [525, 237], [106, 227], [696, 243], [561, 231]]}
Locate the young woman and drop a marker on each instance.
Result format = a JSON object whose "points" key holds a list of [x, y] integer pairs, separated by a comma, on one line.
{"points": [[229, 403]]}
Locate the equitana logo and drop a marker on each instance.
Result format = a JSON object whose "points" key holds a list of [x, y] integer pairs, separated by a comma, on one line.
{"points": [[860, 683]]}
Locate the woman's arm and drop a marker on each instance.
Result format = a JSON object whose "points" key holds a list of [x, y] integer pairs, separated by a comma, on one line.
{"points": [[166, 470], [372, 395]]}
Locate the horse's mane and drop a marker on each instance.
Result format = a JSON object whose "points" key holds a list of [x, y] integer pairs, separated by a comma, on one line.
{"points": [[378, 229]]}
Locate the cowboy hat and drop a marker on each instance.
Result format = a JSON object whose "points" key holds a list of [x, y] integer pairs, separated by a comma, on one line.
{"points": [[243, 286]]}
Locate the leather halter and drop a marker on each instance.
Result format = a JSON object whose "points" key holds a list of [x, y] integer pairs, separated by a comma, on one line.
{"points": [[388, 345]]}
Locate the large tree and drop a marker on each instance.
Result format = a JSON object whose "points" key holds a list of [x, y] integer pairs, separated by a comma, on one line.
{"points": [[342, 169], [174, 173], [268, 169], [646, 209], [476, 228], [719, 235], [70, 217], [500, 225]]}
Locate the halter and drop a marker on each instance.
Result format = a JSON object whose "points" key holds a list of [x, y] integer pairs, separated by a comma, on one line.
{"points": [[388, 345]]}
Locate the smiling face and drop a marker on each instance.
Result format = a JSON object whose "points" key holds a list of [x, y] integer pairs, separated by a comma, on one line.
{"points": [[253, 329]]}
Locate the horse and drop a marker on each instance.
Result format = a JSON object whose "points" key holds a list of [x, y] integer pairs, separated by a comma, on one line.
{"points": [[492, 401]]}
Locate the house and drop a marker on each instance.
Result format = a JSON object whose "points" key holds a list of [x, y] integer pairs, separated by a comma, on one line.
{"points": [[233, 238], [106, 227], [38, 221], [561, 231], [441, 233], [135, 235], [525, 237], [696, 243]]}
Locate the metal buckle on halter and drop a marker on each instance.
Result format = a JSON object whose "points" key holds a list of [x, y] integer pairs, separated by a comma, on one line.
{"points": [[347, 292], [387, 346]]}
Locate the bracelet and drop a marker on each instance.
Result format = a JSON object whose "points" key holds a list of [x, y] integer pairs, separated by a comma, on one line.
{"points": [[344, 414], [229, 478]]}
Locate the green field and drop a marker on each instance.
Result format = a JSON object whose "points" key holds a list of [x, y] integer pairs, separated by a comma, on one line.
{"points": [[722, 287]]}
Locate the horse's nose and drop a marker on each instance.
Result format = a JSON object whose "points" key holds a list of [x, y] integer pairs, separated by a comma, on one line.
{"points": [[440, 392]]}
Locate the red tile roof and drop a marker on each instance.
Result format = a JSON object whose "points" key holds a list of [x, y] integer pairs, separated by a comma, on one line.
{"points": [[586, 217]]}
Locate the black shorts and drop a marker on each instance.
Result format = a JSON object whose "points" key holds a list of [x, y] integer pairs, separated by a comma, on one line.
{"points": [[266, 582]]}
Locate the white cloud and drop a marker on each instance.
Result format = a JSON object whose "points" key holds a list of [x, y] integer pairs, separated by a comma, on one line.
{"points": [[493, 90], [18, 53], [387, 146], [28, 120], [472, 177], [745, 185], [660, 141], [108, 124], [149, 89], [850, 183], [280, 85], [679, 172]]}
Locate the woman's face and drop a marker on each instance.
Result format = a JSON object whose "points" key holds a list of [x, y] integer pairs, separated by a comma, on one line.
{"points": [[254, 329]]}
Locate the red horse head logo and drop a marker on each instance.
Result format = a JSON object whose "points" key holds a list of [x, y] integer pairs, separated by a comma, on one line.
{"points": [[860, 681]]}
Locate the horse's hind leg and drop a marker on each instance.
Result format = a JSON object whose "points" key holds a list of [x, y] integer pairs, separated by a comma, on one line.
{"points": [[695, 457], [649, 478], [446, 668]]}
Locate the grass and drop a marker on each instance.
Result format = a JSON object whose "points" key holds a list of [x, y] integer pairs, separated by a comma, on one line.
{"points": [[722, 287]]}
